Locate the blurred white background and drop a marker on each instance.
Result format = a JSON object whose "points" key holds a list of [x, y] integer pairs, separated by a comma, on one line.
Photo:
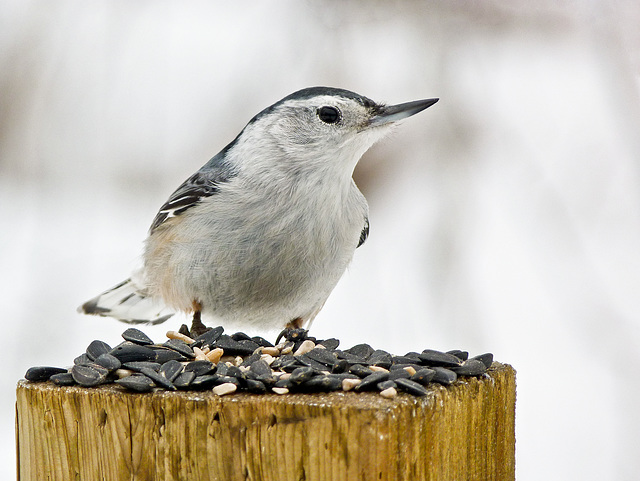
{"points": [[506, 218]]}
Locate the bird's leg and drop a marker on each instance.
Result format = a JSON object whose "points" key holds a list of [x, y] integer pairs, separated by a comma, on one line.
{"points": [[197, 327], [295, 323]]}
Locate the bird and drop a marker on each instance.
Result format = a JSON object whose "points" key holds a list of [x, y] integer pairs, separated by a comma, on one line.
{"points": [[261, 234]]}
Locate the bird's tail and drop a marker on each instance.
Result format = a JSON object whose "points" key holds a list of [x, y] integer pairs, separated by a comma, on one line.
{"points": [[128, 303]]}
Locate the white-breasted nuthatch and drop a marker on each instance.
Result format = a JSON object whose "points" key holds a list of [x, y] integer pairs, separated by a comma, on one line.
{"points": [[261, 234]]}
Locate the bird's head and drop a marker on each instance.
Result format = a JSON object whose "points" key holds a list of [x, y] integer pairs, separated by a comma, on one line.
{"points": [[318, 129]]}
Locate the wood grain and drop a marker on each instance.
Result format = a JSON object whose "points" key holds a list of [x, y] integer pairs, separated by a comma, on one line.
{"points": [[461, 432]]}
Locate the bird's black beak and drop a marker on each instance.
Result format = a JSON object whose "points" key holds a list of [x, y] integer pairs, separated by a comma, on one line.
{"points": [[393, 113]]}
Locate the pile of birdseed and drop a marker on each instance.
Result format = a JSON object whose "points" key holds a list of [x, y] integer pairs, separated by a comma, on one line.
{"points": [[238, 363]]}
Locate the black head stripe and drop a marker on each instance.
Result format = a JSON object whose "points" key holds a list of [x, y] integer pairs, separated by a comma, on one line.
{"points": [[311, 92]]}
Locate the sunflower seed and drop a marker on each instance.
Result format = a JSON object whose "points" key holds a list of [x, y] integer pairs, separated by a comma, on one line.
{"points": [[370, 382], [96, 348], [411, 387], [211, 336], [136, 383], [431, 357], [42, 373], [487, 359], [108, 362], [130, 352], [444, 375], [136, 336], [89, 376], [471, 367], [171, 370], [157, 378], [63, 379]]}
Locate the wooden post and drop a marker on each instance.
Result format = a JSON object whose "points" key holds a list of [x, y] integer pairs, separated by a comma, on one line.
{"points": [[461, 432]]}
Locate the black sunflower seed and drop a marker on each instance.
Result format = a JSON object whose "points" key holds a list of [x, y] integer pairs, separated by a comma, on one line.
{"points": [[240, 336], [360, 370], [136, 383], [411, 387], [200, 368], [63, 379], [180, 346], [343, 375], [423, 376], [487, 359], [229, 379], [171, 370], [42, 373], [380, 358], [381, 386], [462, 355], [157, 378], [250, 359], [323, 356], [351, 358], [206, 381], [471, 367], [341, 366], [184, 330], [256, 387], [211, 336], [82, 359], [332, 343], [302, 374], [236, 372], [322, 383], [283, 383], [130, 352], [370, 382], [444, 375], [361, 350], [136, 336], [399, 373], [108, 362], [268, 381], [307, 361], [431, 357], [261, 341], [404, 360], [260, 368], [248, 345], [184, 379], [413, 355], [89, 376], [164, 354], [96, 348], [395, 367], [290, 364], [138, 365], [222, 369], [232, 347]]}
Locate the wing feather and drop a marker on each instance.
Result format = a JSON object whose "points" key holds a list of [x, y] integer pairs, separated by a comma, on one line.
{"points": [[364, 233], [204, 183]]}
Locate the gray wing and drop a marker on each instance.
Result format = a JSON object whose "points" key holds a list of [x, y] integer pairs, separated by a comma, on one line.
{"points": [[365, 232], [203, 183]]}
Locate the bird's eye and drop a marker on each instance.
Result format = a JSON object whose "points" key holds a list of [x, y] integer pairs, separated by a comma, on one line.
{"points": [[329, 115]]}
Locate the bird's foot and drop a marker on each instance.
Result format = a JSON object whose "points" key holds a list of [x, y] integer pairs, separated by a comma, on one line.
{"points": [[293, 330]]}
